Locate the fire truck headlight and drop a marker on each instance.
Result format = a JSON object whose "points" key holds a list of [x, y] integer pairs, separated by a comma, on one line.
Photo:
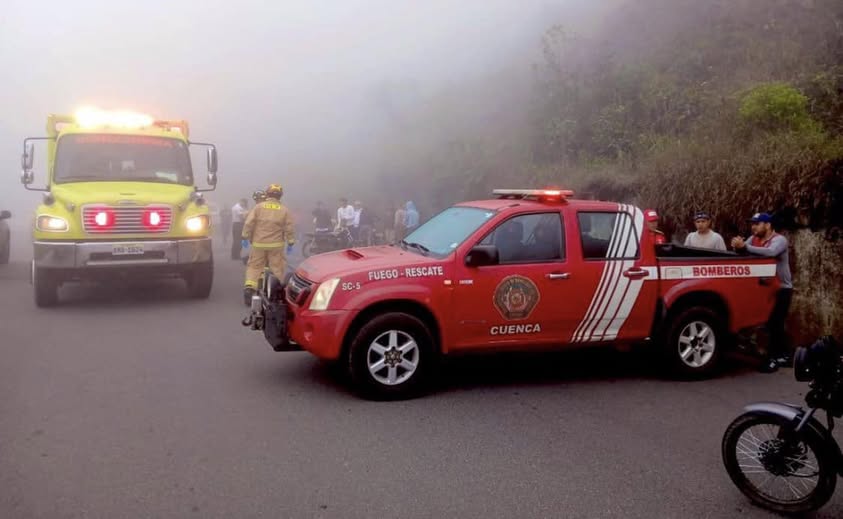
{"points": [[197, 223], [322, 297], [51, 224]]}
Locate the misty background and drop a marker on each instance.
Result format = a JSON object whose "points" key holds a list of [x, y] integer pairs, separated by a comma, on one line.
{"points": [[728, 106], [293, 92]]}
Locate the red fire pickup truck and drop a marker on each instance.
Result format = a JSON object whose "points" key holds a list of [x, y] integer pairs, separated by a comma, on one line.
{"points": [[527, 269]]}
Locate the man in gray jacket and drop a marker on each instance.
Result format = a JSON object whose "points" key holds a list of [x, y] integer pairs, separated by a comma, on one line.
{"points": [[766, 242]]}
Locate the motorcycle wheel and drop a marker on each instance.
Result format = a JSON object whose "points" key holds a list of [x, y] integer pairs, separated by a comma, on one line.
{"points": [[775, 467]]}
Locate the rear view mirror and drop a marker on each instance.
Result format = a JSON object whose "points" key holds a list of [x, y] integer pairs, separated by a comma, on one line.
{"points": [[28, 158], [5, 215], [482, 255], [212, 179], [26, 177], [212, 164]]}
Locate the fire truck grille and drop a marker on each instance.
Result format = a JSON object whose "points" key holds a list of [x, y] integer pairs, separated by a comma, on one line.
{"points": [[127, 220]]}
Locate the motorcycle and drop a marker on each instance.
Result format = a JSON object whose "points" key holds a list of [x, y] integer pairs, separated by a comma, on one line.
{"points": [[326, 241], [779, 455]]}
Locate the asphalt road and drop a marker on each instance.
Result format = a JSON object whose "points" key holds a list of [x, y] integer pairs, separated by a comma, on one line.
{"points": [[133, 401]]}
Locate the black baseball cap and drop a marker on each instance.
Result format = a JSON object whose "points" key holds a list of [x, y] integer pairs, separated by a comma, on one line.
{"points": [[701, 215]]}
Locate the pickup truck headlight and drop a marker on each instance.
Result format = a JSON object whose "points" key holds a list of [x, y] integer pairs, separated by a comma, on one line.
{"points": [[197, 223], [48, 223], [323, 294]]}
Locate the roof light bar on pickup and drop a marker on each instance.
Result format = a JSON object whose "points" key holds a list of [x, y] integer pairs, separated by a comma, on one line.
{"points": [[562, 194]]}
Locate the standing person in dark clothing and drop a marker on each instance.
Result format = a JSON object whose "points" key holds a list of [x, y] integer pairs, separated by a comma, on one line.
{"points": [[366, 223], [238, 218], [225, 220], [321, 218], [766, 242], [400, 228]]}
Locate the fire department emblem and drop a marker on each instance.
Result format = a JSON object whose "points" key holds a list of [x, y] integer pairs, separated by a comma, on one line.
{"points": [[515, 297]]}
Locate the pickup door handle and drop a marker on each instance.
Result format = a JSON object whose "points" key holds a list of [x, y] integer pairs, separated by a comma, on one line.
{"points": [[636, 273], [558, 275]]}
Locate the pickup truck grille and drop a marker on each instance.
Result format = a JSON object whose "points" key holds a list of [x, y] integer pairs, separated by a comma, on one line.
{"points": [[127, 220], [298, 289]]}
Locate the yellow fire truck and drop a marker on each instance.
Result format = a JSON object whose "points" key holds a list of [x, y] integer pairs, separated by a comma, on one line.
{"points": [[119, 200]]}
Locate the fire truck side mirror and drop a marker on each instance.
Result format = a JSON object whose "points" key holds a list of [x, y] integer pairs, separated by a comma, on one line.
{"points": [[27, 159], [212, 164], [482, 255]]}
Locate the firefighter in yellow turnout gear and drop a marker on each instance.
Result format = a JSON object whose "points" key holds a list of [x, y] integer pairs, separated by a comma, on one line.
{"points": [[269, 228]]}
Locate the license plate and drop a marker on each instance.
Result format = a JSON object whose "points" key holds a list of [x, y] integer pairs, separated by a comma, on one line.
{"points": [[128, 249]]}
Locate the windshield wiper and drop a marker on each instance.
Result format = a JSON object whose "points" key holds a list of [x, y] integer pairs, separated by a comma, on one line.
{"points": [[424, 250]]}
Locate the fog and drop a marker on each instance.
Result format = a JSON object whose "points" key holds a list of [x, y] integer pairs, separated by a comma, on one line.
{"points": [[290, 92]]}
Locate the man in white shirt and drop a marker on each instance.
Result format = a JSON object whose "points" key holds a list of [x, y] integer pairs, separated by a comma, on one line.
{"points": [[345, 214], [704, 237], [238, 217], [355, 224]]}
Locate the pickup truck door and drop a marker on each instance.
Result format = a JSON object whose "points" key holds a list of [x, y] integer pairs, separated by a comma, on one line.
{"points": [[517, 300], [623, 298]]}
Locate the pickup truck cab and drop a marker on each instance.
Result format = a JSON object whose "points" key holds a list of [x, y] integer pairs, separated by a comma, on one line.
{"points": [[528, 269]]}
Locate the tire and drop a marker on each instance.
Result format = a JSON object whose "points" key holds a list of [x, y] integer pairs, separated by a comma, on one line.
{"points": [[809, 440], [694, 342], [391, 332], [200, 280], [5, 249], [45, 285]]}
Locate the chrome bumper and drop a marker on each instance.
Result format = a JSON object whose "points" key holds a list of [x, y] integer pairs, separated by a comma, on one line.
{"points": [[99, 254]]}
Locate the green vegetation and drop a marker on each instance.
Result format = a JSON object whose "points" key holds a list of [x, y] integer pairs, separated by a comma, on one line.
{"points": [[733, 106]]}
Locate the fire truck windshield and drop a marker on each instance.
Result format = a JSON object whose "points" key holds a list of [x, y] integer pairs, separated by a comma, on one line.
{"points": [[447, 230], [126, 158]]}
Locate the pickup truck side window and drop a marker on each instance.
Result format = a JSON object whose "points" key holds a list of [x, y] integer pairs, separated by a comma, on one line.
{"points": [[529, 238], [597, 230]]}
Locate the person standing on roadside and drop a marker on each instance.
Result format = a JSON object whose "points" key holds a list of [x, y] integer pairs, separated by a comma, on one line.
{"points": [[270, 231], [238, 217], [321, 218], [704, 237], [225, 221], [411, 218], [768, 243], [400, 229], [345, 214], [652, 218]]}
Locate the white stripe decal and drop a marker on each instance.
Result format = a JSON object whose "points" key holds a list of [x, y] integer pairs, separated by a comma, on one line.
{"points": [[610, 309], [598, 294], [634, 289], [615, 277]]}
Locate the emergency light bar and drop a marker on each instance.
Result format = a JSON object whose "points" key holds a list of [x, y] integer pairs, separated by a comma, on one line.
{"points": [[92, 118], [553, 194]]}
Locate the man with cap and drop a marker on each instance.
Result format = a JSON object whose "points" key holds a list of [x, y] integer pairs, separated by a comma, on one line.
{"points": [[704, 237], [652, 218], [766, 242]]}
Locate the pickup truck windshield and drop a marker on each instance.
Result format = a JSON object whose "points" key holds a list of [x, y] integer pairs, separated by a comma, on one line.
{"points": [[447, 230], [133, 158]]}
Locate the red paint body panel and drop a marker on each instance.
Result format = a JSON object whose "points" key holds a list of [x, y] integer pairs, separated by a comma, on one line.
{"points": [[514, 306]]}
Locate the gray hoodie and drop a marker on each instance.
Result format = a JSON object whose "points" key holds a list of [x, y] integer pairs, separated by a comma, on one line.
{"points": [[775, 247]]}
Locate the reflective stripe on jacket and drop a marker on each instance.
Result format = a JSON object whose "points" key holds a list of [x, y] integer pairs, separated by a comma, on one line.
{"points": [[269, 226]]}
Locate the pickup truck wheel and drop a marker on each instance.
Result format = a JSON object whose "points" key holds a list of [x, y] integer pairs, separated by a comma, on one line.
{"points": [[200, 280], [694, 342], [45, 286], [391, 357]]}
